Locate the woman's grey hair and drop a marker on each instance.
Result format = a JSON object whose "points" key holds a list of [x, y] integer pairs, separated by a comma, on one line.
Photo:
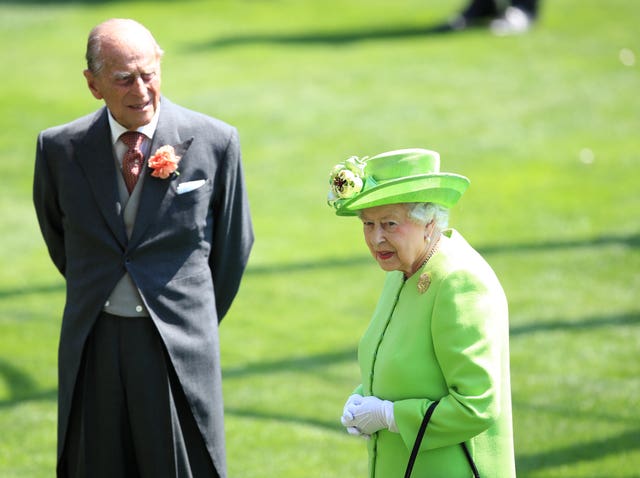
{"points": [[95, 62], [425, 212]]}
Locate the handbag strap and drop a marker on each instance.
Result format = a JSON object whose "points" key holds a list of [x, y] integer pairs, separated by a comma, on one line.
{"points": [[416, 445], [470, 460]]}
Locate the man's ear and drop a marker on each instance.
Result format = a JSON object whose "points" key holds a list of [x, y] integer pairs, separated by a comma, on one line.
{"points": [[91, 83]]}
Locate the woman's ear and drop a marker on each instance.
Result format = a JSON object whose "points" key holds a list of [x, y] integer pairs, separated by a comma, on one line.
{"points": [[428, 231]]}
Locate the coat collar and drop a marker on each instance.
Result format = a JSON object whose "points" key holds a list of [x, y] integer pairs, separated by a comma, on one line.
{"points": [[95, 156], [157, 194]]}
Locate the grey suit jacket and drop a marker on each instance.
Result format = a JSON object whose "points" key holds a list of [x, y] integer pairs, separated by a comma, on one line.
{"points": [[186, 254]]}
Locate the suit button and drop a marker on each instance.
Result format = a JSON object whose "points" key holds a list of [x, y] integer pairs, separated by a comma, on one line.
{"points": [[138, 308]]}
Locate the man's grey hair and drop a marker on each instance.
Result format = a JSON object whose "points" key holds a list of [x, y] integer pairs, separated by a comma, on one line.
{"points": [[95, 62]]}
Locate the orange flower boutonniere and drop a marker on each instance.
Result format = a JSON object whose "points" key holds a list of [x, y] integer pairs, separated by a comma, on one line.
{"points": [[164, 162]]}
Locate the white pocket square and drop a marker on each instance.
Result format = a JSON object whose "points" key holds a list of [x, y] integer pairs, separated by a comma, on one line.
{"points": [[190, 186]]}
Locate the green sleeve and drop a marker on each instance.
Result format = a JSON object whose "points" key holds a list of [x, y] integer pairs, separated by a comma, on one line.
{"points": [[468, 317]]}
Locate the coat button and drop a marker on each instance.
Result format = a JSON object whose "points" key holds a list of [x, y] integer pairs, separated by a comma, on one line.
{"points": [[138, 308]]}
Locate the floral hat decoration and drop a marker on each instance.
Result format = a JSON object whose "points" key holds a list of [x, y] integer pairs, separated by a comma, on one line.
{"points": [[400, 176]]}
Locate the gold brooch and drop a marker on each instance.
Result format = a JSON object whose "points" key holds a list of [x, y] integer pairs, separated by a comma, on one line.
{"points": [[423, 282]]}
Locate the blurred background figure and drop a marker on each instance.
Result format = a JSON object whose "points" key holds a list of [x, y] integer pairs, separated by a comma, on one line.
{"points": [[503, 17]]}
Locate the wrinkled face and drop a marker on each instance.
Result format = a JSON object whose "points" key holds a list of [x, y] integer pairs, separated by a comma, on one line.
{"points": [[129, 81], [396, 242]]}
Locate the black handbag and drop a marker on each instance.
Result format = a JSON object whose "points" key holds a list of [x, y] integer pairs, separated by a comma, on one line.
{"points": [[416, 445]]}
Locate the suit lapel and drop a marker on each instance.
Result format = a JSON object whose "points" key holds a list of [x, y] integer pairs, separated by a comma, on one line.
{"points": [[156, 194], [95, 157]]}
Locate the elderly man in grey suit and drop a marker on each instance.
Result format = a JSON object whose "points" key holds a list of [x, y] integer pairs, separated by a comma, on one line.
{"points": [[144, 211]]}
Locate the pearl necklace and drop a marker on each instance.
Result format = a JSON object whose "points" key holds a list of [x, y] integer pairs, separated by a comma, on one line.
{"points": [[431, 252], [425, 278]]}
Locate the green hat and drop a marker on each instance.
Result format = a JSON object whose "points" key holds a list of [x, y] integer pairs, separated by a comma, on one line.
{"points": [[401, 176]]}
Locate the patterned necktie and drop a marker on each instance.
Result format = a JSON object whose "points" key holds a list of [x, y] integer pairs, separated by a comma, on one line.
{"points": [[132, 161]]}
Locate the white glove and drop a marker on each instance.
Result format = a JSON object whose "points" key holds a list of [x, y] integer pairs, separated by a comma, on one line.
{"points": [[355, 432], [347, 417], [368, 414]]}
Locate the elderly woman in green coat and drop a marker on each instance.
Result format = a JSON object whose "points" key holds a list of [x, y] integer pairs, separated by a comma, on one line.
{"points": [[437, 345]]}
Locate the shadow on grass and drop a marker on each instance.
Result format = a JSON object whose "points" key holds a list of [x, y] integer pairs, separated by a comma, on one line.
{"points": [[65, 2], [325, 37], [303, 363], [631, 240], [580, 452], [309, 362], [588, 323], [37, 289], [22, 387], [332, 425], [566, 410]]}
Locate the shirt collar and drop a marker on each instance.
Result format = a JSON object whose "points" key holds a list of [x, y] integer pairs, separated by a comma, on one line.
{"points": [[148, 129]]}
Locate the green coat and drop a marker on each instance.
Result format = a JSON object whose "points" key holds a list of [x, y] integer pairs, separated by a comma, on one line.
{"points": [[450, 343]]}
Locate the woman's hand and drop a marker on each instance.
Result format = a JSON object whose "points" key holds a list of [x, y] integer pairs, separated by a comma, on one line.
{"points": [[347, 417], [367, 415]]}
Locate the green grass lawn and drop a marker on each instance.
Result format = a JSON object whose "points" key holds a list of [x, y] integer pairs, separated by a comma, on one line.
{"points": [[545, 125]]}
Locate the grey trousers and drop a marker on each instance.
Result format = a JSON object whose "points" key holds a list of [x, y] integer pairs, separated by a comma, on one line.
{"points": [[130, 418]]}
